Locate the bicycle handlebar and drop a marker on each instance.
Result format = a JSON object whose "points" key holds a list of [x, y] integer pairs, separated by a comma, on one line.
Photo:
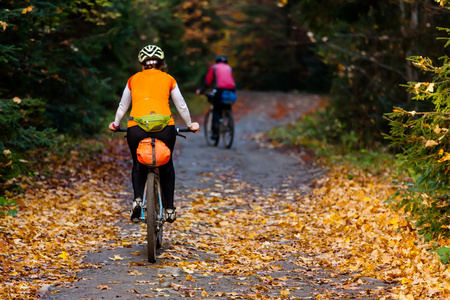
{"points": [[184, 129]]}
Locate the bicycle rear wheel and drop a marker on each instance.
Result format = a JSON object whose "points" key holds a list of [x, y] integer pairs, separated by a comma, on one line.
{"points": [[159, 216], [208, 130], [152, 213], [227, 128]]}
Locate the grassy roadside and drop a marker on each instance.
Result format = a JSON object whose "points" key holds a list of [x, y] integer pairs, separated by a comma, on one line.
{"points": [[304, 134]]}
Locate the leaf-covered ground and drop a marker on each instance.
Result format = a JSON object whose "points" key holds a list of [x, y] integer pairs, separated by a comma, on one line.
{"points": [[232, 240], [60, 216], [342, 226], [284, 243]]}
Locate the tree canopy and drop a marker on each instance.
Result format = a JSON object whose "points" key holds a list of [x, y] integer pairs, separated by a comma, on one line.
{"points": [[74, 56]]}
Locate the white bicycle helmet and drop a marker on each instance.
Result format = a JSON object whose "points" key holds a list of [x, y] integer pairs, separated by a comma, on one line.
{"points": [[150, 52]]}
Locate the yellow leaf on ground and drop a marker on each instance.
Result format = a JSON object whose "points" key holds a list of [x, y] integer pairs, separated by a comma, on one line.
{"points": [[406, 280], [189, 271], [116, 257], [406, 297], [134, 273], [103, 287], [64, 255], [205, 294]]}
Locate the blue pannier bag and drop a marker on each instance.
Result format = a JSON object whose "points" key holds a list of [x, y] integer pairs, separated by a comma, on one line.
{"points": [[228, 97]]}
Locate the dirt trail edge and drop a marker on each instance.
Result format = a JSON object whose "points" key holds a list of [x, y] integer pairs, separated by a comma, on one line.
{"points": [[230, 240]]}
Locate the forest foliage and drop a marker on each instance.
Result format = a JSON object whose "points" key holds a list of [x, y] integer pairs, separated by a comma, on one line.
{"points": [[73, 57], [65, 63], [422, 139], [366, 44]]}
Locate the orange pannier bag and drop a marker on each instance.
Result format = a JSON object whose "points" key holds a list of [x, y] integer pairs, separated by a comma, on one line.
{"points": [[153, 152]]}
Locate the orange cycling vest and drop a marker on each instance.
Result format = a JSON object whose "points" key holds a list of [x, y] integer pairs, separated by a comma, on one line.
{"points": [[150, 91]]}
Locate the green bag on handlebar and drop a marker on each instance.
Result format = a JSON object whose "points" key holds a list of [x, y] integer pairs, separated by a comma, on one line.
{"points": [[152, 122]]}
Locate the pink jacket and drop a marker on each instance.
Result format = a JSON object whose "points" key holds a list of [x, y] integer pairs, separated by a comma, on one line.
{"points": [[220, 76]]}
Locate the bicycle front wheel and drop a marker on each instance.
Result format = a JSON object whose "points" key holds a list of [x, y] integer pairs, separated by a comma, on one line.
{"points": [[227, 128], [208, 130], [152, 206]]}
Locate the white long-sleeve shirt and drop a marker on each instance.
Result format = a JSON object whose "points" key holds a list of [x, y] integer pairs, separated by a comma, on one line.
{"points": [[175, 95]]}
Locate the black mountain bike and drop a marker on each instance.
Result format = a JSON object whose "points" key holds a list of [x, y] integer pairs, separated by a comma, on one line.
{"points": [[152, 210], [226, 125]]}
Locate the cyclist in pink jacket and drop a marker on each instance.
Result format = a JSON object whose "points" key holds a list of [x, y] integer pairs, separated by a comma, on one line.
{"points": [[220, 78]]}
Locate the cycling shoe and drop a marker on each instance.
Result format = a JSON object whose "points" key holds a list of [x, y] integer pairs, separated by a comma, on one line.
{"points": [[136, 210], [171, 215]]}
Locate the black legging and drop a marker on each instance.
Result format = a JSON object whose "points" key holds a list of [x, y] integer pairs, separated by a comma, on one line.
{"points": [[168, 135]]}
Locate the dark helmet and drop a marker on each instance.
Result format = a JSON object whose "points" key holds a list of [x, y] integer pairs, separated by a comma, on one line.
{"points": [[222, 58]]}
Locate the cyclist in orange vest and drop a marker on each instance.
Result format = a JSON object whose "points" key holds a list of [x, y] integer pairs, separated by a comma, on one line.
{"points": [[149, 91]]}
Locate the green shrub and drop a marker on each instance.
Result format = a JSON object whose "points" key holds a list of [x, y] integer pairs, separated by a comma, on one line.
{"points": [[7, 207], [329, 140], [24, 129], [422, 139], [319, 131], [427, 201]]}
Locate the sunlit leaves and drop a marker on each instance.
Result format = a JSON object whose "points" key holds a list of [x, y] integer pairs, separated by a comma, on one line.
{"points": [[202, 25], [26, 10], [3, 25], [282, 3], [442, 2], [342, 225], [103, 287], [95, 10], [65, 40], [436, 91], [424, 142], [116, 257], [60, 217], [350, 220], [366, 45]]}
